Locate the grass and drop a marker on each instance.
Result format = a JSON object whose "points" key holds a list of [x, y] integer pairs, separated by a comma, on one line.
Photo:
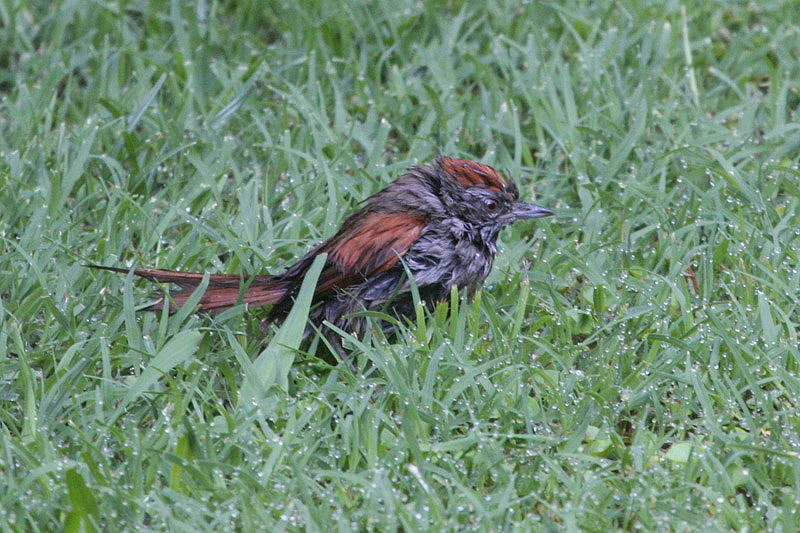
{"points": [[631, 363]]}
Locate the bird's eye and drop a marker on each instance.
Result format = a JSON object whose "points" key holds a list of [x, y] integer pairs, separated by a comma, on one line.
{"points": [[490, 205]]}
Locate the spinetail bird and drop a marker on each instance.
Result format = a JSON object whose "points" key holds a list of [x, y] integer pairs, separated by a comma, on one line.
{"points": [[439, 221]]}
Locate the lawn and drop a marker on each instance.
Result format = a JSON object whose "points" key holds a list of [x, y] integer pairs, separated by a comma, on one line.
{"points": [[631, 363]]}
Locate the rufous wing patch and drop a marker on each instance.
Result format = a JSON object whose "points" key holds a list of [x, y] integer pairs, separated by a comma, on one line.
{"points": [[372, 245]]}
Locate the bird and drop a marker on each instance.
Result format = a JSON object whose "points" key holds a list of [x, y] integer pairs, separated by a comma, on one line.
{"points": [[438, 222]]}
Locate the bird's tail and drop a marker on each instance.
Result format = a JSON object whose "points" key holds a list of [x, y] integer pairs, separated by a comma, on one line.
{"points": [[223, 292]]}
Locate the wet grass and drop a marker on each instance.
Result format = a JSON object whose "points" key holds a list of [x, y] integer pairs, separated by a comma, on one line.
{"points": [[631, 364]]}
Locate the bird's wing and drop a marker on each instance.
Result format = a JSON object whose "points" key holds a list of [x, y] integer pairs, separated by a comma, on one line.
{"points": [[367, 245], [370, 245]]}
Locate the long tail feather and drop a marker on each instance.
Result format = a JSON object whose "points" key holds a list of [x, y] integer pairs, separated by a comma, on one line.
{"points": [[224, 290]]}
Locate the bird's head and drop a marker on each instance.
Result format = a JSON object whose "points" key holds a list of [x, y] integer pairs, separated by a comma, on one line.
{"points": [[482, 197]]}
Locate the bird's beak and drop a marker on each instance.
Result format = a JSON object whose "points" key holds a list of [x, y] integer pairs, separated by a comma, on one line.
{"points": [[523, 210]]}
